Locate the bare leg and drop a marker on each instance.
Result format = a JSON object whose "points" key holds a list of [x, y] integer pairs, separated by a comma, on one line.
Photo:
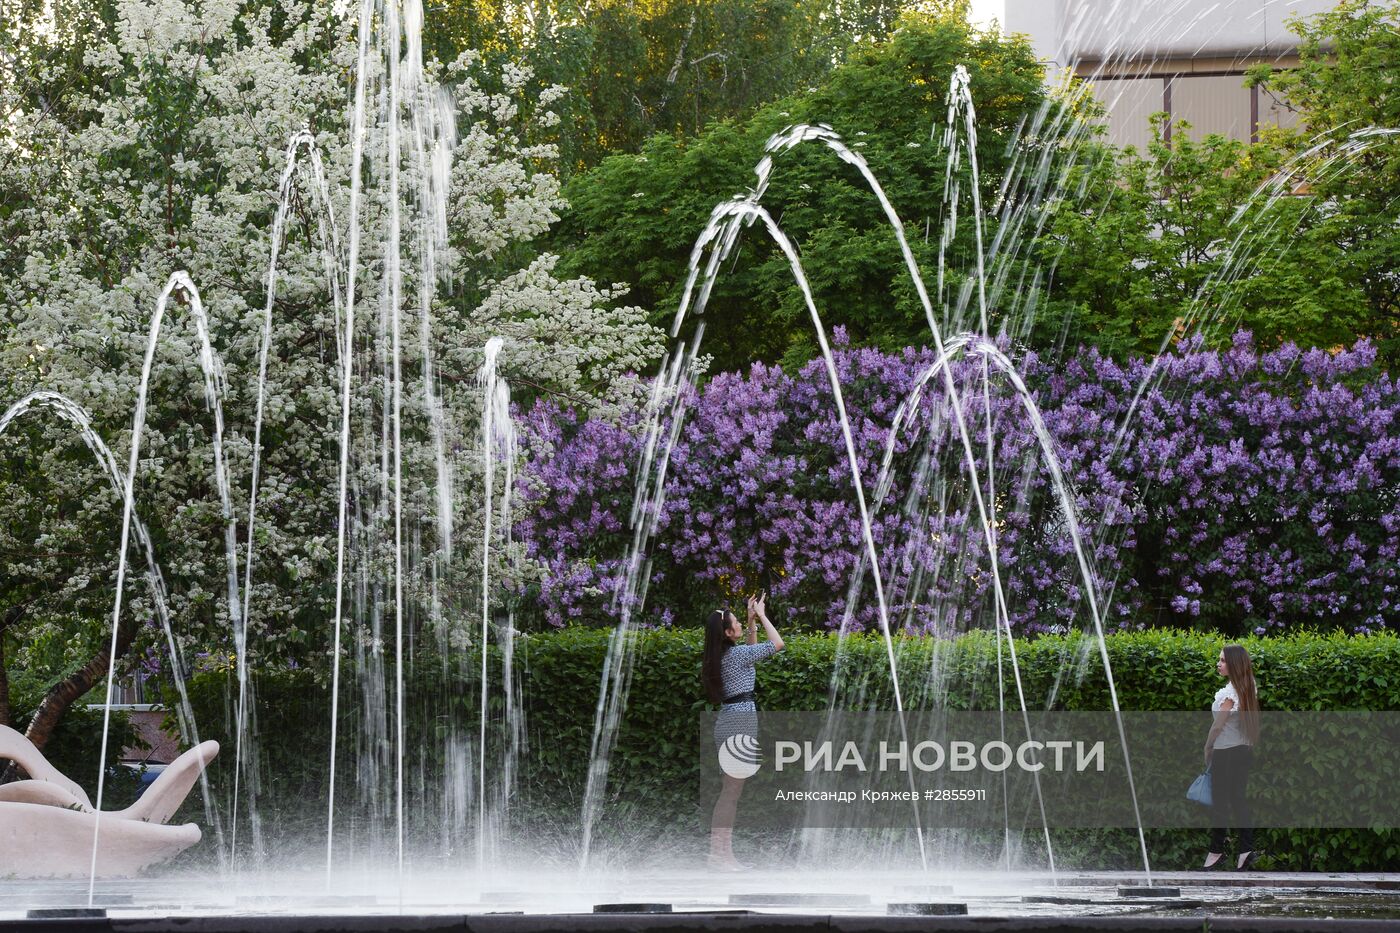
{"points": [[722, 825]]}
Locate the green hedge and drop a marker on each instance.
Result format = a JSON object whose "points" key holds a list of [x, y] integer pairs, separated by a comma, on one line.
{"points": [[654, 777]]}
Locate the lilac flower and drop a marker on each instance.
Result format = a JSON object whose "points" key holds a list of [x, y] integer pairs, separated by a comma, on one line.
{"points": [[1248, 492]]}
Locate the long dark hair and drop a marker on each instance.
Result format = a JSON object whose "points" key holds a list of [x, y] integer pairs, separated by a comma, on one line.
{"points": [[716, 644], [1240, 670]]}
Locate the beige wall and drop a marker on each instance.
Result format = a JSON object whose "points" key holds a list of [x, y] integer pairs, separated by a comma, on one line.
{"points": [[1066, 33], [1209, 103], [1129, 105], [1187, 57], [1212, 104]]}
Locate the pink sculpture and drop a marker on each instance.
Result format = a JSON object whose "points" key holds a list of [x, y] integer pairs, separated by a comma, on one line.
{"points": [[46, 823]]}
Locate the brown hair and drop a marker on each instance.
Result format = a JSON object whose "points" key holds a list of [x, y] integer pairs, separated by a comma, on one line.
{"points": [[717, 642], [1240, 670]]}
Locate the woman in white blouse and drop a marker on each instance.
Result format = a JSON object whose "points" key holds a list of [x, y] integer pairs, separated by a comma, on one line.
{"points": [[1229, 750]]}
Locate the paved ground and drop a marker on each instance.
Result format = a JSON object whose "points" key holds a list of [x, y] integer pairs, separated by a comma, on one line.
{"points": [[793, 901], [1375, 881], [696, 923]]}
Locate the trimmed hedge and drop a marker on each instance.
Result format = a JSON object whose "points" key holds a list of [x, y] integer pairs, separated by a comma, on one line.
{"points": [[655, 773]]}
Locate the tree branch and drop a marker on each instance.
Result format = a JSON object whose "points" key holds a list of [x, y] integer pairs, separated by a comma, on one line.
{"points": [[677, 64], [66, 692], [13, 615]]}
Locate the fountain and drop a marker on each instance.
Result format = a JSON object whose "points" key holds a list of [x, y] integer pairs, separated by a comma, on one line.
{"points": [[718, 240]]}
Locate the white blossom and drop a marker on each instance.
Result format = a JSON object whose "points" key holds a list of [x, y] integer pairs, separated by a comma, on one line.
{"points": [[179, 170]]}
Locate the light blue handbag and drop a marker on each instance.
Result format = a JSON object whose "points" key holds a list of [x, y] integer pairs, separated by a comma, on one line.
{"points": [[1199, 790]]}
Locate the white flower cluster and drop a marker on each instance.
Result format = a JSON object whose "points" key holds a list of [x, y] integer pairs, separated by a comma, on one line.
{"points": [[169, 157]]}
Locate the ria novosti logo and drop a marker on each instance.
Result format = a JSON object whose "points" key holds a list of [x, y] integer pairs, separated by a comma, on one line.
{"points": [[739, 756]]}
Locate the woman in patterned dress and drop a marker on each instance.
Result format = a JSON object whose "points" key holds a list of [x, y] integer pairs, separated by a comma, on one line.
{"points": [[728, 675]]}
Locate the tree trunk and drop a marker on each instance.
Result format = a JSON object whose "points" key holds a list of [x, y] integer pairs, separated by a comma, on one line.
{"points": [[676, 65], [5, 719], [9, 771], [67, 691]]}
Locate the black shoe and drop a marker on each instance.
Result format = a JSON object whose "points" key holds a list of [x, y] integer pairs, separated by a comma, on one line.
{"points": [[1218, 864], [1247, 863]]}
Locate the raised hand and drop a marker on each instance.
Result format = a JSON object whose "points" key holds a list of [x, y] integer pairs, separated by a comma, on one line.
{"points": [[760, 606]]}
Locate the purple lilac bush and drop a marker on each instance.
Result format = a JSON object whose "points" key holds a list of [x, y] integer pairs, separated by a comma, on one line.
{"points": [[1249, 492]]}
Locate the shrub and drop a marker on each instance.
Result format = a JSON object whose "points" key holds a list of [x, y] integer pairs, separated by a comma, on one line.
{"points": [[655, 775], [1251, 492]]}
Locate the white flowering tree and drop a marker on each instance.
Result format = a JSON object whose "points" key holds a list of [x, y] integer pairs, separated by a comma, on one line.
{"points": [[151, 139]]}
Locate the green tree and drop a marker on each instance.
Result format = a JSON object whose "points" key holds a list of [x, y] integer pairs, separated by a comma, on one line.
{"points": [[1083, 243], [1294, 238], [169, 157], [1191, 236], [635, 217], [1344, 93], [675, 66]]}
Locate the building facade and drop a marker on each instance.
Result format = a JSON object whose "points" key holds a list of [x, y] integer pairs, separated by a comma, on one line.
{"points": [[1186, 58]]}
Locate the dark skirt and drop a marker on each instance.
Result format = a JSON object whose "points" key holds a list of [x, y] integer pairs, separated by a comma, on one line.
{"points": [[736, 719]]}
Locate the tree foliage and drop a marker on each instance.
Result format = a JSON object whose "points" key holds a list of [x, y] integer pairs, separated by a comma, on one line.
{"points": [[1349, 113], [168, 156], [670, 66], [1292, 237], [635, 217], [1192, 237]]}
